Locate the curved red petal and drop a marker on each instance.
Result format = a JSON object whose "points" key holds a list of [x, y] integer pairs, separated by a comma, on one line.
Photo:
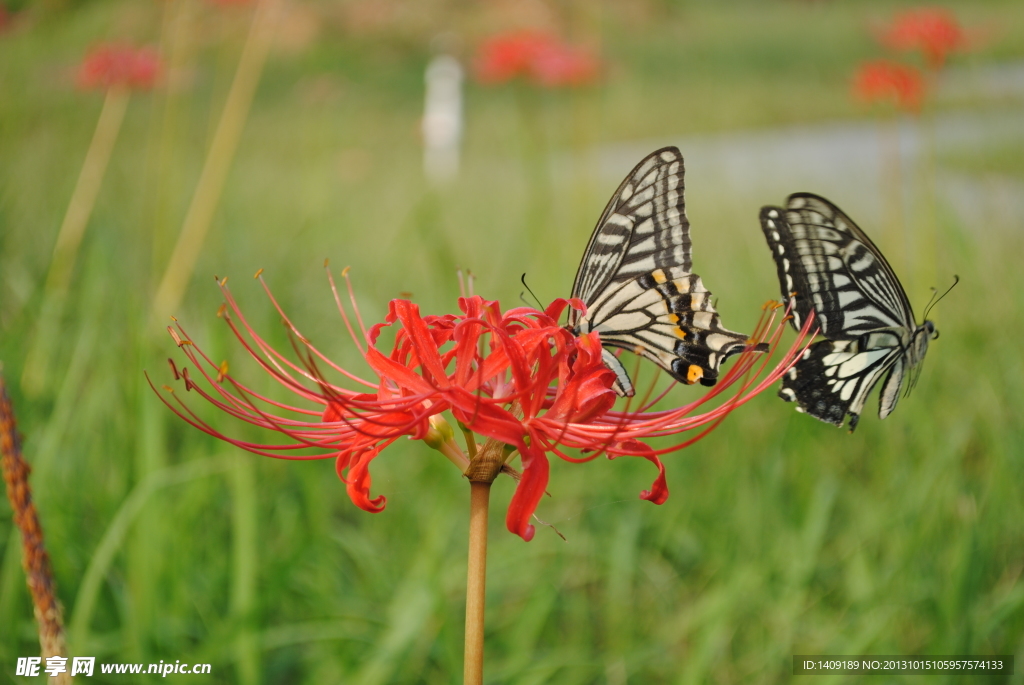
{"points": [[357, 481], [528, 493], [634, 448]]}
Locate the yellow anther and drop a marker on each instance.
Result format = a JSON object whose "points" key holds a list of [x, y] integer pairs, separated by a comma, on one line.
{"points": [[344, 272], [222, 371], [258, 273], [223, 281], [222, 310]]}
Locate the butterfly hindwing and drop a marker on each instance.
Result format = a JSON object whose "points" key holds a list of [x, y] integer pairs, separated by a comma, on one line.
{"points": [[667, 317], [636, 280], [833, 379], [827, 265]]}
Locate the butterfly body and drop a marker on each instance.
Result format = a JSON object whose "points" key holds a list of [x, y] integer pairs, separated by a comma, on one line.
{"points": [[827, 265], [636, 281]]}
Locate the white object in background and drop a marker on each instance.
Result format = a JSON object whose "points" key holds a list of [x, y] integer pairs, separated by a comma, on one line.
{"points": [[442, 119]]}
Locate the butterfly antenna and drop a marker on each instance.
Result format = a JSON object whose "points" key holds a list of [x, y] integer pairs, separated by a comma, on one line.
{"points": [[935, 300], [529, 290]]}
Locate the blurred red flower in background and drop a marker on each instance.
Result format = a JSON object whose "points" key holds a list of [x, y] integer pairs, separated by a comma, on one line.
{"points": [[112, 65], [536, 57], [885, 81], [934, 31], [516, 377], [6, 19]]}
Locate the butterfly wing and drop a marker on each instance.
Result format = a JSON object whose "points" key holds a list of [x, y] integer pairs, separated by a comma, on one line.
{"points": [[833, 378], [643, 227], [828, 265], [667, 317], [636, 281]]}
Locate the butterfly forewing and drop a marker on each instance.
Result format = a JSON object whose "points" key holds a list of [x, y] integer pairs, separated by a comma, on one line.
{"points": [[643, 227], [636, 281], [827, 265], [834, 269]]}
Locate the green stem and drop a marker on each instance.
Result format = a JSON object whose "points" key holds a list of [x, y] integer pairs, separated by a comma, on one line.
{"points": [[243, 581]]}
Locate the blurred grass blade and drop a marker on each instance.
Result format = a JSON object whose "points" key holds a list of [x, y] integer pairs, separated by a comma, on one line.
{"points": [[409, 612], [103, 556], [243, 577], [34, 377], [218, 162]]}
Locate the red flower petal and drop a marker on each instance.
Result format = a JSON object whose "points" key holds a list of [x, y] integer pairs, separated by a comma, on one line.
{"points": [[107, 66], [528, 493], [885, 81], [357, 481], [634, 448]]}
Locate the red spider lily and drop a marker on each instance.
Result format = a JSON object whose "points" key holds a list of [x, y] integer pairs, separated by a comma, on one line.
{"points": [[517, 377], [109, 66], [6, 18], [885, 81], [536, 57], [932, 30]]}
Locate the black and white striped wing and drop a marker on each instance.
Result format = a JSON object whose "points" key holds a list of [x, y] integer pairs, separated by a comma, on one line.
{"points": [[826, 264], [834, 378], [636, 281], [643, 227]]}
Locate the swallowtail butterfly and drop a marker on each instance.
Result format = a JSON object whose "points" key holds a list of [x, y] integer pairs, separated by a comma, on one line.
{"points": [[828, 265], [635, 279]]}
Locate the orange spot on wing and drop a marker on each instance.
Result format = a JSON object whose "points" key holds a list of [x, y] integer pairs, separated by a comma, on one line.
{"points": [[694, 374]]}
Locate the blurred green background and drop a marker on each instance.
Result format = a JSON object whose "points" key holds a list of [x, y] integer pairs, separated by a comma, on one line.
{"points": [[782, 535]]}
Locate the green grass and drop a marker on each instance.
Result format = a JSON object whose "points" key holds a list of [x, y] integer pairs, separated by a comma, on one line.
{"points": [[782, 535]]}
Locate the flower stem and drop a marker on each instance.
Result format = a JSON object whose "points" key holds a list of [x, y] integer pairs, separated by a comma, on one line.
{"points": [[34, 559], [218, 162], [69, 238], [473, 661]]}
